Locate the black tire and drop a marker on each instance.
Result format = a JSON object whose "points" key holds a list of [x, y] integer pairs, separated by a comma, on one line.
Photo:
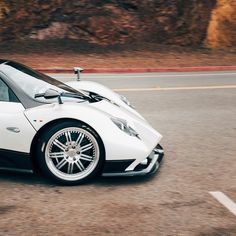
{"points": [[70, 153]]}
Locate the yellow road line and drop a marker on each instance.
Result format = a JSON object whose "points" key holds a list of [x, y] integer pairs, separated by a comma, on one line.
{"points": [[175, 88]]}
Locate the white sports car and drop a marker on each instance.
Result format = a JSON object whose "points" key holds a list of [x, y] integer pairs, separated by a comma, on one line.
{"points": [[71, 131]]}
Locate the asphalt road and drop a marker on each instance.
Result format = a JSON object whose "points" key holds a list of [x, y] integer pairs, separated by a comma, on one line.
{"points": [[196, 114]]}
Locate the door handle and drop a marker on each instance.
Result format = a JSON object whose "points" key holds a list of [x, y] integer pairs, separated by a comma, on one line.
{"points": [[13, 129]]}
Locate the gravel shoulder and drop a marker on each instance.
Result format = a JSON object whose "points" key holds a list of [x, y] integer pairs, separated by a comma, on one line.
{"points": [[67, 54]]}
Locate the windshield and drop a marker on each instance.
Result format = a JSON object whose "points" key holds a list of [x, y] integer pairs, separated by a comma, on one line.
{"points": [[33, 82]]}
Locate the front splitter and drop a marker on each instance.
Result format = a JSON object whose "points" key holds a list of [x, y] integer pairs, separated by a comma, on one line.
{"points": [[150, 169]]}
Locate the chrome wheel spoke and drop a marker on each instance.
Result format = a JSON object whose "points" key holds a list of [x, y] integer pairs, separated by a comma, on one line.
{"points": [[61, 164], [86, 147], [68, 137], [79, 139], [56, 155], [80, 165], [70, 168], [86, 157], [59, 144]]}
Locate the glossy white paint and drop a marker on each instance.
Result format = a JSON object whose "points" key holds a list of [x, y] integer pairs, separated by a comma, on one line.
{"points": [[103, 91], [118, 144], [12, 117]]}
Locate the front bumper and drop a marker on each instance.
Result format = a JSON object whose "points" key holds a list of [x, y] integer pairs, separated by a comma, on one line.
{"points": [[149, 166]]}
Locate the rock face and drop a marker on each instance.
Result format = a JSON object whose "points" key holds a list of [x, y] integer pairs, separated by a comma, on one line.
{"points": [[180, 22], [222, 27]]}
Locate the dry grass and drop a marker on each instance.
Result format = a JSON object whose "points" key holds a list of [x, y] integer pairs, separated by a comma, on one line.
{"points": [[222, 27], [3, 9]]}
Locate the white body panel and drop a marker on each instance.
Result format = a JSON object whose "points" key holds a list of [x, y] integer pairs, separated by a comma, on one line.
{"points": [[19, 126], [12, 117], [103, 91], [35, 102], [118, 145]]}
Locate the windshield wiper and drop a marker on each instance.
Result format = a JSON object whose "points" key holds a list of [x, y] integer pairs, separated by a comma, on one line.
{"points": [[91, 97], [76, 95], [51, 93]]}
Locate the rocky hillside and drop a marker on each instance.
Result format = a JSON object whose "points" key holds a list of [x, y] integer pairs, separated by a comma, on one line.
{"points": [[177, 22]]}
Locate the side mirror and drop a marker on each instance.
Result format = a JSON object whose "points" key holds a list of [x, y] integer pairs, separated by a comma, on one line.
{"points": [[77, 71], [50, 94]]}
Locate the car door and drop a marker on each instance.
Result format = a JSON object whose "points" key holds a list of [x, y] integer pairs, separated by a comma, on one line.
{"points": [[16, 133]]}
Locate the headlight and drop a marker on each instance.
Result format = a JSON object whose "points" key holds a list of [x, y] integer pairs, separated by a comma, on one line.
{"points": [[123, 125], [125, 100]]}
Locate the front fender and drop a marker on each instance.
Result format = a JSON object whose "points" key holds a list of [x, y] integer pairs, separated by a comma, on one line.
{"points": [[118, 145]]}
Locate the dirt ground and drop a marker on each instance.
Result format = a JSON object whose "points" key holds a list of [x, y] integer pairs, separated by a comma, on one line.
{"points": [[67, 54], [198, 129], [174, 202]]}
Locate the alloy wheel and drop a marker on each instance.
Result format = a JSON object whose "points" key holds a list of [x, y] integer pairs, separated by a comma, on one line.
{"points": [[72, 153]]}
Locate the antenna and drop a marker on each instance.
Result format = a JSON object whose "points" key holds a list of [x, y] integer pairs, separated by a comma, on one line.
{"points": [[77, 71]]}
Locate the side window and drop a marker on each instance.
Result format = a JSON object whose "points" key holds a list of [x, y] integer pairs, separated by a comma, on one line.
{"points": [[6, 94]]}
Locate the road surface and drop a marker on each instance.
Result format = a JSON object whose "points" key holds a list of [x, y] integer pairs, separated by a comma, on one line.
{"points": [[194, 193]]}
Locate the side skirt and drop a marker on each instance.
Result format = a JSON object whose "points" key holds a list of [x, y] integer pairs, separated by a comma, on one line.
{"points": [[15, 161]]}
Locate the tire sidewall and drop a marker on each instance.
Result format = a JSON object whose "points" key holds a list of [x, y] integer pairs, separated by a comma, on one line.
{"points": [[42, 144]]}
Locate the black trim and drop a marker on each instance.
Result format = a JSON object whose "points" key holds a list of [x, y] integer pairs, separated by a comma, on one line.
{"points": [[3, 61], [25, 99], [16, 160], [117, 166], [154, 162]]}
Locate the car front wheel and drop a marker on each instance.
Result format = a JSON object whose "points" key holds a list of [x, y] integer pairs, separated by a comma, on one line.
{"points": [[70, 153]]}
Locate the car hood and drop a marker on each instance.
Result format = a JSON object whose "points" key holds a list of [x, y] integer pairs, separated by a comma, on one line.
{"points": [[112, 110], [103, 91], [116, 107]]}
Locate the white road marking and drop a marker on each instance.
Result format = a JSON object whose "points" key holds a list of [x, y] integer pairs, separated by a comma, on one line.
{"points": [[148, 75], [161, 75], [175, 88], [225, 201]]}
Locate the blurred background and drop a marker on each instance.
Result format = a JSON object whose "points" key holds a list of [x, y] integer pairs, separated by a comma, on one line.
{"points": [[165, 32]]}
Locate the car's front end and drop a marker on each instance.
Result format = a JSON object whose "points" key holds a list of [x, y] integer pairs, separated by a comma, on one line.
{"points": [[80, 130], [136, 148], [125, 168], [142, 152]]}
